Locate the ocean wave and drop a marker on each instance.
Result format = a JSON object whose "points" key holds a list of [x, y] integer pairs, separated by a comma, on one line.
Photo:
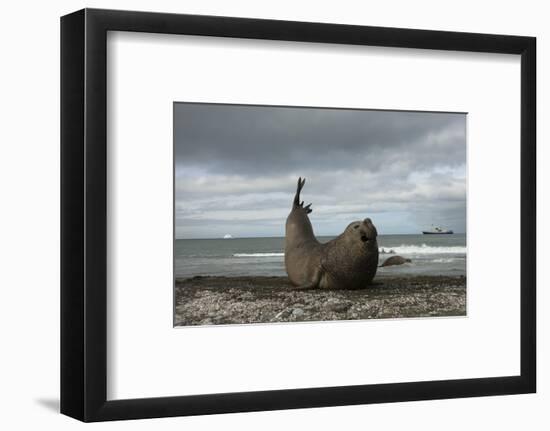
{"points": [[448, 260], [424, 249], [401, 249], [258, 254]]}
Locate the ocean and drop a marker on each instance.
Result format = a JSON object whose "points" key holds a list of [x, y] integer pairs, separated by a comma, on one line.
{"points": [[430, 255]]}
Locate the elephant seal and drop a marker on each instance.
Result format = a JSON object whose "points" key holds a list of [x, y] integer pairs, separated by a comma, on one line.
{"points": [[346, 262], [395, 260]]}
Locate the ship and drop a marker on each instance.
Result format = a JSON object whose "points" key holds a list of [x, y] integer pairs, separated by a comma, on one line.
{"points": [[437, 230]]}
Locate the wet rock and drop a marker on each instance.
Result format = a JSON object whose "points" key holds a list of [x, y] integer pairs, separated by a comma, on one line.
{"points": [[297, 312], [283, 314], [395, 260], [337, 306]]}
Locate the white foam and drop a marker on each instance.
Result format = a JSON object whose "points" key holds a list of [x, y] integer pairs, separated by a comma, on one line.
{"points": [[426, 249], [447, 260], [258, 255]]}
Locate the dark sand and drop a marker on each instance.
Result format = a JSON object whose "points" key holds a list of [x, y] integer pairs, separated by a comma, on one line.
{"points": [[230, 300]]}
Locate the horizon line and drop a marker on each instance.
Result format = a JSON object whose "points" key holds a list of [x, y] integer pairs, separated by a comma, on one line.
{"points": [[279, 236]]}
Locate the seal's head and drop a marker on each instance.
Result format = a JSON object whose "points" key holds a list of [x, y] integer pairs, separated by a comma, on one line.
{"points": [[351, 259], [363, 234]]}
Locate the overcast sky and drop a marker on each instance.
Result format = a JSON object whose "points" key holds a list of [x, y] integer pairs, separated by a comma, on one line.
{"points": [[236, 169]]}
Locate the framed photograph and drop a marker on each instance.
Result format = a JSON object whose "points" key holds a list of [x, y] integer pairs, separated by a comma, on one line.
{"points": [[261, 215], [247, 253]]}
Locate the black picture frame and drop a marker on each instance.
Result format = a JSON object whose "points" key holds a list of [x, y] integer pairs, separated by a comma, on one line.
{"points": [[84, 214]]}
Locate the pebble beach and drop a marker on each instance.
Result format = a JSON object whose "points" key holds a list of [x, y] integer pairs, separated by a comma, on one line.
{"points": [[219, 300]]}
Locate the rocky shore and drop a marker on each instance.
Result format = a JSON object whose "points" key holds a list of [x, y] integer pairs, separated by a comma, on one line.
{"points": [[230, 300]]}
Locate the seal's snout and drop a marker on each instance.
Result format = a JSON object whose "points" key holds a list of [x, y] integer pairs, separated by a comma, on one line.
{"points": [[368, 231]]}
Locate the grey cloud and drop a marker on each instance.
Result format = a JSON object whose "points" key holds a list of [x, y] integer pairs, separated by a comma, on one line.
{"points": [[256, 139], [236, 168]]}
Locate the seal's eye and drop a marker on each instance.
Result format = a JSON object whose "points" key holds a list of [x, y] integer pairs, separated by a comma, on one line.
{"points": [[356, 226]]}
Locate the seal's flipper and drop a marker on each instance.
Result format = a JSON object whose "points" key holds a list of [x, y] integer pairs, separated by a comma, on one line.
{"points": [[298, 190], [314, 284]]}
